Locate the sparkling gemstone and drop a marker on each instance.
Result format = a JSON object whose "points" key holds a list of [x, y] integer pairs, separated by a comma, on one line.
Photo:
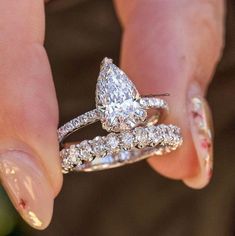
{"points": [[70, 159], [127, 140], [141, 137], [73, 155], [112, 142], [73, 159], [117, 99], [85, 151], [76, 122], [98, 147], [153, 135], [66, 164]]}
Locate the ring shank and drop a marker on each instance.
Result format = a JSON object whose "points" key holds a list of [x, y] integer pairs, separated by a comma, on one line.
{"points": [[90, 117], [117, 160]]}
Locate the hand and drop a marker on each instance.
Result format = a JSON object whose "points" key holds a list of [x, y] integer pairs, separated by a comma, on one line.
{"points": [[166, 46], [173, 47], [29, 165]]}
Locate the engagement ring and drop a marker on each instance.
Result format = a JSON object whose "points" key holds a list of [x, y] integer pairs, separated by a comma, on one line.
{"points": [[123, 112]]}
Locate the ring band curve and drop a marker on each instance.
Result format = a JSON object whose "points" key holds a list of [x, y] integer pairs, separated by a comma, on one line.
{"points": [[90, 117], [133, 133], [117, 149]]}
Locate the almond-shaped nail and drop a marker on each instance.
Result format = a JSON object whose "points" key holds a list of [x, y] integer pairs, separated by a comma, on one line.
{"points": [[202, 133], [27, 187]]}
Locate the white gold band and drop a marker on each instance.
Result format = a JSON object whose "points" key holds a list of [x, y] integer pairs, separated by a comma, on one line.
{"points": [[117, 149], [93, 116]]}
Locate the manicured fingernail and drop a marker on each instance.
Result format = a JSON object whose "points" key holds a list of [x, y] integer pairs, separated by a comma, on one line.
{"points": [[27, 187], [201, 128]]}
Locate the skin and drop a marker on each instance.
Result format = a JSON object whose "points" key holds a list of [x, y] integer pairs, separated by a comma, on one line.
{"points": [[180, 50], [178, 42]]}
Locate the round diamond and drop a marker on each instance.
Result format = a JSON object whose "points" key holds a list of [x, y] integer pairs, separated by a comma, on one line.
{"points": [[153, 135], [66, 164], [141, 137], [98, 147], [112, 142], [75, 122], [73, 155], [127, 140], [70, 159], [85, 151]]}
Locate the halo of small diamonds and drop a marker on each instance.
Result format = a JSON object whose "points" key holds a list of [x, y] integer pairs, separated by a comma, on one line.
{"points": [[118, 101], [94, 116], [119, 106], [165, 137]]}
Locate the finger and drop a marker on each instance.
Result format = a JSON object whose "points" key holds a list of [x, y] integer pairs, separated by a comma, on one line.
{"points": [[29, 165], [173, 47]]}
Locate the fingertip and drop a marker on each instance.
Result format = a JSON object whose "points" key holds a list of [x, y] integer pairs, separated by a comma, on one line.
{"points": [[179, 164], [27, 185], [201, 127], [58, 180], [50, 158]]}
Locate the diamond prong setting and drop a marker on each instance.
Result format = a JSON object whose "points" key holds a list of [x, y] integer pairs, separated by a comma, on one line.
{"points": [[164, 137], [117, 99]]}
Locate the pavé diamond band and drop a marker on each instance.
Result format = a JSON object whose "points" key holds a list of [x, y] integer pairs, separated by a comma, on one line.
{"points": [[123, 112], [95, 115]]}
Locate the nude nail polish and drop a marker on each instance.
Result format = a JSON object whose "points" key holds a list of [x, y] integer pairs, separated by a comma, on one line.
{"points": [[27, 187], [202, 134]]}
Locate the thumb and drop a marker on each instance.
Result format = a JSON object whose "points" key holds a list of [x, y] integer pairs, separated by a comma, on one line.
{"points": [[173, 47], [29, 165]]}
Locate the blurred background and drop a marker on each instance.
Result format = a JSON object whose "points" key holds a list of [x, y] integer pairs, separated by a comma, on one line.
{"points": [[132, 200]]}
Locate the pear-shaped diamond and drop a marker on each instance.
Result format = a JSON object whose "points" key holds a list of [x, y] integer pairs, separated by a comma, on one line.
{"points": [[117, 99]]}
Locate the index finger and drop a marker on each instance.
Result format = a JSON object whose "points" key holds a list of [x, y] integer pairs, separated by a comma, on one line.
{"points": [[173, 47]]}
